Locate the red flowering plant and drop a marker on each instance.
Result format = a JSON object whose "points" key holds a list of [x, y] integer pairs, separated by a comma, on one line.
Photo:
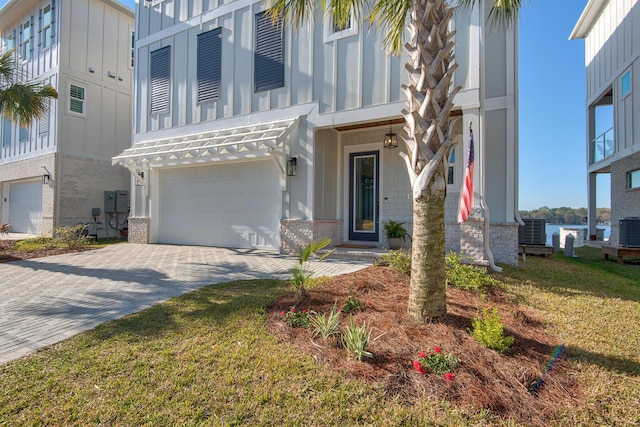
{"points": [[296, 318], [437, 362]]}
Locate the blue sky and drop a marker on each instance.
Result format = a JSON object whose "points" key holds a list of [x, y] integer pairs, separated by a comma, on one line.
{"points": [[552, 107]]}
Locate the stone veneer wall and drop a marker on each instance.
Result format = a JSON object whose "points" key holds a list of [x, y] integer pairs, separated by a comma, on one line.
{"points": [[295, 233], [467, 237], [138, 230], [625, 202]]}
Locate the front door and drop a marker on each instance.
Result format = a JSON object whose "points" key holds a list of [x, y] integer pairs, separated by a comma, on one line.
{"points": [[363, 196]]}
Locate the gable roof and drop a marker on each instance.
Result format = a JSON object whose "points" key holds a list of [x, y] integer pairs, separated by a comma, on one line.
{"points": [[589, 15]]}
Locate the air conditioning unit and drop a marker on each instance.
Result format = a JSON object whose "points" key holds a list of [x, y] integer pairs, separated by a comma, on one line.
{"points": [[532, 232], [629, 232]]}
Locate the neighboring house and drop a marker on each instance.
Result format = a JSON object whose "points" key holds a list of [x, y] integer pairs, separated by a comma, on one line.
{"points": [[611, 30], [246, 136], [55, 171]]}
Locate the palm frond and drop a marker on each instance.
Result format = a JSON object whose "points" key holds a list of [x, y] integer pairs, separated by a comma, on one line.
{"points": [[391, 17], [7, 67], [292, 12], [502, 11], [25, 102]]}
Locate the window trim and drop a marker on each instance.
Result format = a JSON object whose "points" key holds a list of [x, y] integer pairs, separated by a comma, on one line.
{"points": [[627, 73], [84, 100], [26, 44], [629, 179], [330, 35], [44, 39], [158, 52]]}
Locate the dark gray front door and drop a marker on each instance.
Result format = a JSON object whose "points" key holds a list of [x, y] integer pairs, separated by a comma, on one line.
{"points": [[363, 196]]}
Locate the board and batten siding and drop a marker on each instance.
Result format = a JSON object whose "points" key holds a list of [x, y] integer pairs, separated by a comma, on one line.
{"points": [[612, 48]]}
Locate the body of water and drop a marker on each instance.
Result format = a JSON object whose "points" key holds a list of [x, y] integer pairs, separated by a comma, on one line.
{"points": [[555, 228]]}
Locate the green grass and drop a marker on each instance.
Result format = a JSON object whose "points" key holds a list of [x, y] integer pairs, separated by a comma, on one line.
{"points": [[206, 358], [40, 243]]}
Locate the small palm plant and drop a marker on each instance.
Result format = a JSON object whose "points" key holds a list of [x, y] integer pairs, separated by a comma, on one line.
{"points": [[301, 274]]}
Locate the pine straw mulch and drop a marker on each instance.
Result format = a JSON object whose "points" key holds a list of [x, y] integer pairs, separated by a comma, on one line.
{"points": [[9, 253], [484, 379]]}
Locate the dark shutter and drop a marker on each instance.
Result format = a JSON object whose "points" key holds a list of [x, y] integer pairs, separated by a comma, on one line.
{"points": [[209, 65], [159, 76], [269, 55]]}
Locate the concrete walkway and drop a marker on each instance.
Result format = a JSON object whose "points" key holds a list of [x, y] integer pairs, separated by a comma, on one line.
{"points": [[46, 300]]}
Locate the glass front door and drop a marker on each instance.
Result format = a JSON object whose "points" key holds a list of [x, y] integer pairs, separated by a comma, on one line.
{"points": [[363, 196]]}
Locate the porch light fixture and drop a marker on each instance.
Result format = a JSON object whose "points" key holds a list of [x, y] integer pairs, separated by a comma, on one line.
{"points": [[292, 166], [139, 181], [45, 179], [390, 139]]}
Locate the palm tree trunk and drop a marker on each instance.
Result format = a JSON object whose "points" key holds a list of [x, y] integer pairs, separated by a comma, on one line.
{"points": [[427, 294]]}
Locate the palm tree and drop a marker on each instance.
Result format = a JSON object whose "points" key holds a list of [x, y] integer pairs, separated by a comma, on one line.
{"points": [[429, 138], [20, 101]]}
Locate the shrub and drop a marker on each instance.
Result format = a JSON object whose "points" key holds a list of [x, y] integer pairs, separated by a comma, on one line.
{"points": [[325, 324], [356, 339], [352, 303], [488, 330], [466, 276], [296, 318], [395, 230], [400, 261], [436, 362], [71, 236], [36, 243], [301, 274]]}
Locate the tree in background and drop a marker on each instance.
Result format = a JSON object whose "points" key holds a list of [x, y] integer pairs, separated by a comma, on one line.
{"points": [[20, 101], [428, 128]]}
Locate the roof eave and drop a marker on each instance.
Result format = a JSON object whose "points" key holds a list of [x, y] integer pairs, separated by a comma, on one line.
{"points": [[587, 18]]}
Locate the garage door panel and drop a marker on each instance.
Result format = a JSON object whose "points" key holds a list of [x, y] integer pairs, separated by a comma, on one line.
{"points": [[234, 205], [25, 207]]}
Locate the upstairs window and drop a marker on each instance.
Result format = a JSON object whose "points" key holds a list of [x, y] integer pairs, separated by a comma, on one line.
{"points": [[10, 41], [452, 168], [160, 83], [76, 99], [625, 83], [269, 54], [6, 133], [46, 27], [25, 48], [333, 31], [24, 134], [209, 65], [133, 47]]}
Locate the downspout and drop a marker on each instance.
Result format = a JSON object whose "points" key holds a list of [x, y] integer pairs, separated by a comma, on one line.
{"points": [[516, 143]]}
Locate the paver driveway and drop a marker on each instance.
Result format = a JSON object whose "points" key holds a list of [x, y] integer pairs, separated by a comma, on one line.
{"points": [[46, 300]]}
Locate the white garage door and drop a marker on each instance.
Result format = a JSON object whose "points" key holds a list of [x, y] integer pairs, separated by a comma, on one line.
{"points": [[230, 205], [25, 207]]}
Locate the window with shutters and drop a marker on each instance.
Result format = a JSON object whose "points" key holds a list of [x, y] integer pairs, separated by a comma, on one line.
{"points": [[209, 65], [46, 31], [269, 53], [25, 46], [9, 42], [160, 83], [76, 99]]}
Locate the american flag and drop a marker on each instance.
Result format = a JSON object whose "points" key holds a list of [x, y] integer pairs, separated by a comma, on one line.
{"points": [[466, 197]]}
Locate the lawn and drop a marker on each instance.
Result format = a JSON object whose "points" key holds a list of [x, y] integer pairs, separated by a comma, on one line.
{"points": [[208, 358]]}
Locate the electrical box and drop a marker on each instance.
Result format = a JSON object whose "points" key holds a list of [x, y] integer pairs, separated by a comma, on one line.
{"points": [[109, 201], [629, 232], [122, 201]]}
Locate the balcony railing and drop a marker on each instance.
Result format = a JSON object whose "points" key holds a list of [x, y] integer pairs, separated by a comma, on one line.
{"points": [[603, 146]]}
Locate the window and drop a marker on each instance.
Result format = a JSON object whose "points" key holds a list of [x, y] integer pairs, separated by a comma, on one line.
{"points": [[24, 134], [209, 65], [269, 54], [625, 83], [333, 31], [159, 77], [633, 179], [25, 47], [46, 27], [133, 47], [76, 99], [10, 42], [6, 133], [452, 168]]}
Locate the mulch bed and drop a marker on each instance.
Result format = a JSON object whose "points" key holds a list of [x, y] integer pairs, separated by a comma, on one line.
{"points": [[484, 378], [9, 253]]}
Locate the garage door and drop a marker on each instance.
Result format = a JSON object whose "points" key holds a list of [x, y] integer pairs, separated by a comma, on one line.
{"points": [[230, 205], [25, 207]]}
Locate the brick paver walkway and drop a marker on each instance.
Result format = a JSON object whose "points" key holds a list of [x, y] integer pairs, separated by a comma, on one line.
{"points": [[46, 300]]}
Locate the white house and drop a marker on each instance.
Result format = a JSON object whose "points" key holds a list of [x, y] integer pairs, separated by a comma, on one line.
{"points": [[611, 30], [226, 104], [56, 170]]}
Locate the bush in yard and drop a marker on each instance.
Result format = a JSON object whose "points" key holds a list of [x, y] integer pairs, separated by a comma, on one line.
{"points": [[296, 318], [466, 276], [400, 261], [488, 330], [326, 324], [356, 339], [71, 236]]}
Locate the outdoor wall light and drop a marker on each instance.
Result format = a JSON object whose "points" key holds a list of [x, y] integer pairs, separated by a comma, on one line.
{"points": [[390, 139], [292, 166], [45, 179], [139, 181]]}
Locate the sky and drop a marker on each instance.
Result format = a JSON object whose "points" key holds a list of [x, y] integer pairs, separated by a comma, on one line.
{"points": [[552, 107]]}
